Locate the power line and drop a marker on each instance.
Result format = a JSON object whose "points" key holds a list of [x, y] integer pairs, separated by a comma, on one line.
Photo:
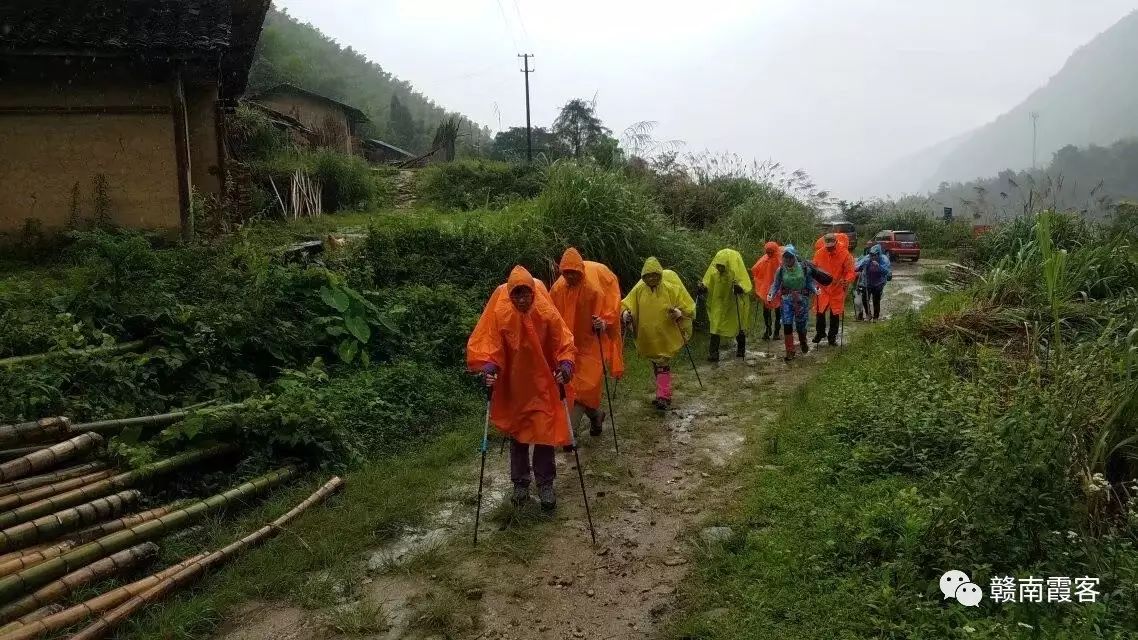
{"points": [[525, 33], [506, 22]]}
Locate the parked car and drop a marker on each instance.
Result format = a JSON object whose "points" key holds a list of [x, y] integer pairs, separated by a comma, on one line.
{"points": [[841, 226], [898, 244]]}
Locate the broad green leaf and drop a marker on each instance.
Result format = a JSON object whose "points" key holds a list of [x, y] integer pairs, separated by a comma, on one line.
{"points": [[347, 350], [358, 327]]}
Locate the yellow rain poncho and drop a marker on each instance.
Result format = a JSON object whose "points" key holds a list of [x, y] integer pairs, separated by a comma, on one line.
{"points": [[728, 313], [657, 334]]}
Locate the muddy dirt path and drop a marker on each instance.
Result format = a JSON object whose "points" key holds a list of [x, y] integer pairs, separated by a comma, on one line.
{"points": [[538, 577]]}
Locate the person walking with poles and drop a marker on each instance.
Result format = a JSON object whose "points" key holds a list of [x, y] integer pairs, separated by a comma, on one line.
{"points": [[874, 270], [525, 352], [592, 314], [832, 255], [660, 311], [794, 285], [727, 288], [763, 272]]}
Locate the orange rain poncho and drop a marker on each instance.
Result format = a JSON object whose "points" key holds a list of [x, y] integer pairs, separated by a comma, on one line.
{"points": [[525, 347], [764, 271], [840, 265], [577, 305]]}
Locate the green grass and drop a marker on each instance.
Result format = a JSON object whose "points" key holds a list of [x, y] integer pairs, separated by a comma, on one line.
{"points": [[844, 531]]}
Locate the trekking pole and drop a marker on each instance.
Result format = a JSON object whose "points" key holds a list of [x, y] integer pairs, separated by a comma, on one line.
{"points": [[482, 471], [739, 316], [842, 328], [690, 358], [612, 414], [577, 457]]}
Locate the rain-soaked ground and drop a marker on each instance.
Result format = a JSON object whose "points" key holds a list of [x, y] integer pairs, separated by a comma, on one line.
{"points": [[538, 577]]}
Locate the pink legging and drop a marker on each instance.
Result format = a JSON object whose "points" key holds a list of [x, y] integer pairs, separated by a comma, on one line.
{"points": [[663, 381]]}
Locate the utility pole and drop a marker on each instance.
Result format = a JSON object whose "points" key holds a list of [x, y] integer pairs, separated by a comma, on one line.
{"points": [[529, 132], [1034, 137]]}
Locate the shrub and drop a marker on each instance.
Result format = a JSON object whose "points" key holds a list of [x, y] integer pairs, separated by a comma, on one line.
{"points": [[769, 214], [475, 184]]}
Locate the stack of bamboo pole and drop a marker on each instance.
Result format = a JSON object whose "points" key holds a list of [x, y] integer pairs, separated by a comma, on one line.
{"points": [[65, 526]]}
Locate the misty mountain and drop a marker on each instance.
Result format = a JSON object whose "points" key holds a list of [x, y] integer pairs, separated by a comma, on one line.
{"points": [[298, 53], [1092, 100]]}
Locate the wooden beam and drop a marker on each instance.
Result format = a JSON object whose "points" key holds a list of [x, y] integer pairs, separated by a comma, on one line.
{"points": [[182, 154], [221, 133], [86, 110]]}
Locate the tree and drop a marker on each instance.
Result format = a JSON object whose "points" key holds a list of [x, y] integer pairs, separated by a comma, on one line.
{"points": [[510, 145], [579, 128], [401, 125], [446, 135]]}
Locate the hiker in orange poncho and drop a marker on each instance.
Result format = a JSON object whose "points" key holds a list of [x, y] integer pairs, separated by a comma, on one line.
{"points": [[763, 272], [832, 255], [524, 350], [588, 297]]}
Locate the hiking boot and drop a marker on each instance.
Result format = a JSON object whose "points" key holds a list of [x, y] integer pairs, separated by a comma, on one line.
{"points": [[802, 343], [660, 404], [521, 495], [596, 423], [546, 496], [818, 337], [767, 335]]}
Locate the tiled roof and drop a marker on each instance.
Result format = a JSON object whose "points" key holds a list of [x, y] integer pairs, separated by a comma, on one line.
{"points": [[171, 27]]}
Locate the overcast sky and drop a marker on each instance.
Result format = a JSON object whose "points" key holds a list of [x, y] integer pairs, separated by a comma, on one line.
{"points": [[836, 87]]}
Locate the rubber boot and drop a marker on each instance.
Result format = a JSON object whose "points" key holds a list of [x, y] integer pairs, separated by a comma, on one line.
{"points": [[596, 422], [740, 345], [713, 348], [788, 341], [802, 340]]}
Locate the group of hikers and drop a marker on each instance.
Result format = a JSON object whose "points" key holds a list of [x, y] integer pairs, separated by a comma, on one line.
{"points": [[547, 354]]}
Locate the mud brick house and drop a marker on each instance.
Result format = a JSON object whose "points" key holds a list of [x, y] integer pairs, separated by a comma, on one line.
{"points": [[334, 122], [127, 94]]}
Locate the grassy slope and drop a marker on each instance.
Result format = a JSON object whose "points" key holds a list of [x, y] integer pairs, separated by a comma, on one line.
{"points": [[827, 545]]}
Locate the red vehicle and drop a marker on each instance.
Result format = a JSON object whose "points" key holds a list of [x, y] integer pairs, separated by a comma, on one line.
{"points": [[898, 244]]}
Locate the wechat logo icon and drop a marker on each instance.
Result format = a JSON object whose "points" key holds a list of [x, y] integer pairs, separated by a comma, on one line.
{"points": [[956, 584]]}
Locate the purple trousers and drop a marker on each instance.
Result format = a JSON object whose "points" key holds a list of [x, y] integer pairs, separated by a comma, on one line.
{"points": [[544, 469]]}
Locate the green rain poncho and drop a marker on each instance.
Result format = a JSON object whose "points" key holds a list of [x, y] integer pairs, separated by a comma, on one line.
{"points": [[727, 312]]}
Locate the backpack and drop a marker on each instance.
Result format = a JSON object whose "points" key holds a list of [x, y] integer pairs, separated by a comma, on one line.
{"points": [[874, 274]]}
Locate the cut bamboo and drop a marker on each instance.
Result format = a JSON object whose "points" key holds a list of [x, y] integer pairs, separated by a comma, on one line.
{"points": [[17, 584], [31, 482], [38, 614], [49, 457], [67, 585], [20, 452], [61, 522], [107, 622], [21, 630], [157, 420], [41, 430], [39, 493], [101, 488], [115, 349], [28, 560], [26, 550], [125, 522]]}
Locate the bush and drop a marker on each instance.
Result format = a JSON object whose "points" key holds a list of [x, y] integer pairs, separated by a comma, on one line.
{"points": [[769, 214], [347, 182], [478, 184]]}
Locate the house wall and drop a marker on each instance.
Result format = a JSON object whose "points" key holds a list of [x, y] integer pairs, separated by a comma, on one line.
{"points": [[312, 113], [45, 156]]}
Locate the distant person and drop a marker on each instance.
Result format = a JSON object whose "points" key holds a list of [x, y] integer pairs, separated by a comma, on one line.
{"points": [[763, 272], [660, 310], [727, 286], [524, 352], [588, 297], [832, 255], [794, 285], [874, 271]]}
